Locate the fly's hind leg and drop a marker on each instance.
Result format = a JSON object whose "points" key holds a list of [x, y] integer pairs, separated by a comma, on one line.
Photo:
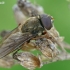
{"points": [[14, 55]]}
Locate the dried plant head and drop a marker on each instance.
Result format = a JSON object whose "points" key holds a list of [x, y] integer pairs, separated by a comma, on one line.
{"points": [[7, 62], [35, 33], [22, 3], [29, 9], [18, 15], [56, 34], [28, 60], [47, 47]]}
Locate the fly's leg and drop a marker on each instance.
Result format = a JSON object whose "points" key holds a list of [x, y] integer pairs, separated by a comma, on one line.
{"points": [[15, 54]]}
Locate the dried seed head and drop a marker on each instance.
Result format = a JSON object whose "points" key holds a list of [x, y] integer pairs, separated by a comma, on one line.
{"points": [[19, 16], [47, 47], [28, 8], [7, 62], [28, 60], [54, 32], [23, 3], [40, 9]]}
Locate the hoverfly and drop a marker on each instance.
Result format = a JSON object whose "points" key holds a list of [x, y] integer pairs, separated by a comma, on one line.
{"points": [[33, 27], [37, 32]]}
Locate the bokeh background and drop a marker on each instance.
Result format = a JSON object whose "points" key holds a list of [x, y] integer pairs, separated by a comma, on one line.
{"points": [[59, 9]]}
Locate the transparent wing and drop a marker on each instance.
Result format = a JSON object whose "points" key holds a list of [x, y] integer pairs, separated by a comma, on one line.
{"points": [[14, 42], [8, 34]]}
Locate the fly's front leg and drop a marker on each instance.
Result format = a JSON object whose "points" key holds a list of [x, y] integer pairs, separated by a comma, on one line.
{"points": [[54, 36]]}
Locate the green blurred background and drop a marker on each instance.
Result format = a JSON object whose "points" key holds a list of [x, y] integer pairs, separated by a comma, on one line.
{"points": [[59, 9]]}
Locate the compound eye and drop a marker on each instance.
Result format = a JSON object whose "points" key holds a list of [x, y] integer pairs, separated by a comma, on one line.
{"points": [[46, 21]]}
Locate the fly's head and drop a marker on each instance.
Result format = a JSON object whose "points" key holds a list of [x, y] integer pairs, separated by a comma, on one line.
{"points": [[46, 21]]}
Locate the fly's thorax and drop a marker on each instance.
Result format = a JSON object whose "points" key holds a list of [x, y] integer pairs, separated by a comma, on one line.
{"points": [[33, 26]]}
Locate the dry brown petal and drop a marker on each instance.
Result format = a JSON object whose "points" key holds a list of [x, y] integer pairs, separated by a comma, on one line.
{"points": [[19, 16], [54, 32], [28, 8], [47, 47], [28, 60], [7, 62]]}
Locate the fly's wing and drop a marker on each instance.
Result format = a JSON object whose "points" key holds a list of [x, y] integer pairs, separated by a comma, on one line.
{"points": [[14, 42], [9, 33]]}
